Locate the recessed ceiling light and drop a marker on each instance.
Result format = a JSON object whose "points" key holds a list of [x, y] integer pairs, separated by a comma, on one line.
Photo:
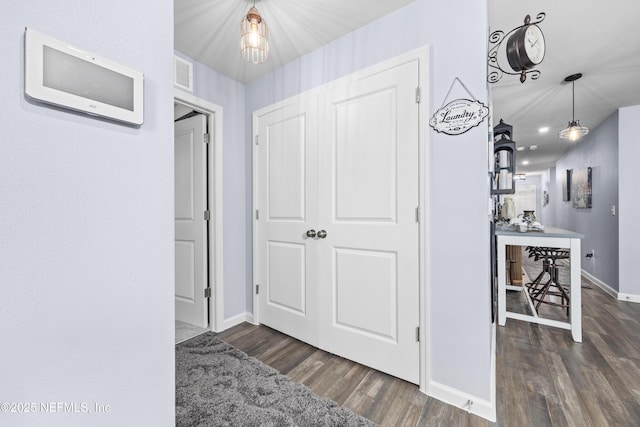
{"points": [[525, 162], [544, 129], [519, 148], [533, 147]]}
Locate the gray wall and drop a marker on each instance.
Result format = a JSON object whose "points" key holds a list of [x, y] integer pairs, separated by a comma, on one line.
{"points": [[229, 94], [598, 150], [86, 226], [629, 200], [459, 307]]}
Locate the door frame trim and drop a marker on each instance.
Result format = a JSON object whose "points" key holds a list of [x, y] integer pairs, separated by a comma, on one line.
{"points": [[422, 55], [214, 190]]}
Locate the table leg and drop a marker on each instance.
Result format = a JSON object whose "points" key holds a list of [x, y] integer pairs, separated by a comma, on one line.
{"points": [[576, 291], [502, 282]]}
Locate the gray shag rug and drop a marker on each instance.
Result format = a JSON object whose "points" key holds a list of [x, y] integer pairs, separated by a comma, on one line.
{"points": [[219, 385]]}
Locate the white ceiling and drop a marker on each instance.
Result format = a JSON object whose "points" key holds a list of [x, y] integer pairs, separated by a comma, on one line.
{"points": [[209, 30], [598, 38]]}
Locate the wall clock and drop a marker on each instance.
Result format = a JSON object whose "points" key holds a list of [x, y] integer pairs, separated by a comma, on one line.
{"points": [[524, 48]]}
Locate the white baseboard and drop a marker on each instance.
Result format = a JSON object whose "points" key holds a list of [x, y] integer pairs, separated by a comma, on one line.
{"points": [[482, 408], [236, 320], [599, 283], [608, 289], [494, 356], [629, 297]]}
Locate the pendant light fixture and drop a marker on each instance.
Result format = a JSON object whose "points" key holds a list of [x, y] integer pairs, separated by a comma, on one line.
{"points": [[574, 131], [254, 37]]}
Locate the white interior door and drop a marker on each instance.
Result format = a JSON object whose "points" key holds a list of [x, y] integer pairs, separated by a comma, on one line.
{"points": [[345, 164], [287, 187], [524, 199], [369, 266], [191, 269]]}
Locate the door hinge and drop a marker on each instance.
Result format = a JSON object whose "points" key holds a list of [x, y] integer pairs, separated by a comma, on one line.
{"points": [[207, 215], [257, 143], [418, 95], [418, 214], [206, 138], [417, 333], [257, 214], [207, 292], [257, 289]]}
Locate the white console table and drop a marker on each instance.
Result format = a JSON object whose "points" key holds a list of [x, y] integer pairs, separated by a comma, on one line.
{"points": [[550, 237]]}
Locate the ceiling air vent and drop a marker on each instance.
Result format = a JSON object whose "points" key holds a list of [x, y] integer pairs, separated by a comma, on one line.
{"points": [[183, 74]]}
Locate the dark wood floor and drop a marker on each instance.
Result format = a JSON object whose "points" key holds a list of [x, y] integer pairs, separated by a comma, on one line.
{"points": [[543, 377]]}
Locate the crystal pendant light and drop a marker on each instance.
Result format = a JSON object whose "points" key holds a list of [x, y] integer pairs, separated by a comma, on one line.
{"points": [[254, 39], [574, 130]]}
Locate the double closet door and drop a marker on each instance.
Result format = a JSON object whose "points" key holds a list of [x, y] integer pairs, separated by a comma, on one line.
{"points": [[337, 234]]}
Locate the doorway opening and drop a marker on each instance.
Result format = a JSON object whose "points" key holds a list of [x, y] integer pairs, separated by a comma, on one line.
{"points": [[199, 268]]}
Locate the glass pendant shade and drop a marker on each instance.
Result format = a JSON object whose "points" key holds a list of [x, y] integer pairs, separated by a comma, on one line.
{"points": [[574, 131], [254, 40]]}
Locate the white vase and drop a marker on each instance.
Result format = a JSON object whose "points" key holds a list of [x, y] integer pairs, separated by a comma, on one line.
{"points": [[508, 208]]}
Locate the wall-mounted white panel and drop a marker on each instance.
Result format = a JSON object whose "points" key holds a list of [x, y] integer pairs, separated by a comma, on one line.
{"points": [[64, 75], [365, 292], [286, 142], [287, 276]]}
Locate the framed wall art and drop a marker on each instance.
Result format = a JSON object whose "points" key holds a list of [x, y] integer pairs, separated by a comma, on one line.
{"points": [[566, 186], [581, 188]]}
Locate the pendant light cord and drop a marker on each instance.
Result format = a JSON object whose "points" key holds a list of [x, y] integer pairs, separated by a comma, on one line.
{"points": [[573, 101]]}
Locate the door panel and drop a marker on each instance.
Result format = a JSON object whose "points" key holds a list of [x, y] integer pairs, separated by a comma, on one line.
{"points": [[366, 280], [185, 276], [287, 185], [368, 180], [286, 165], [190, 227], [287, 286], [371, 151]]}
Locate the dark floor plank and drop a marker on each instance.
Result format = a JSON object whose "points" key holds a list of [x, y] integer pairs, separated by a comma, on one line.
{"points": [[543, 378]]}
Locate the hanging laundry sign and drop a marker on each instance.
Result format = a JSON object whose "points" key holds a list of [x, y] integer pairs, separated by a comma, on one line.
{"points": [[459, 115]]}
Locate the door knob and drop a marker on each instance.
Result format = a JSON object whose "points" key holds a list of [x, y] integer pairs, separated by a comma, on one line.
{"points": [[322, 234], [311, 233]]}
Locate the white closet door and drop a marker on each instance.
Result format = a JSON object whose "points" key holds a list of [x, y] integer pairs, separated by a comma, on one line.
{"points": [[368, 196], [287, 201], [190, 226], [345, 164]]}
